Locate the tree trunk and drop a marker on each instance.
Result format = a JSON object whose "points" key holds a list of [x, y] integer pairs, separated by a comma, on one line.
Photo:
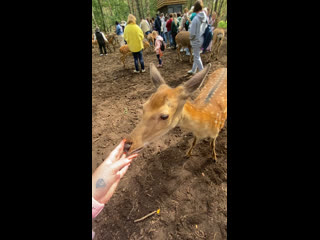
{"points": [[220, 6], [147, 8], [94, 19], [104, 26], [142, 10], [129, 6], [211, 7], [215, 6], [138, 7], [110, 8], [133, 12]]}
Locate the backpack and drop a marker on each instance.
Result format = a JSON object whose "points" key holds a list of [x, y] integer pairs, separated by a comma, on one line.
{"points": [[163, 46], [207, 37]]}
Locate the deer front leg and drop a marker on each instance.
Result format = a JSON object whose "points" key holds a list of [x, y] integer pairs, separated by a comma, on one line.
{"points": [[192, 146]]}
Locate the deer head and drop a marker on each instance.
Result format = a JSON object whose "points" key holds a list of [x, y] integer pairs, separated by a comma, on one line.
{"points": [[163, 109]]}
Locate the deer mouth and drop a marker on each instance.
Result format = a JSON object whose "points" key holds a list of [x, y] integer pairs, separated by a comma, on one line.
{"points": [[136, 150], [127, 147]]}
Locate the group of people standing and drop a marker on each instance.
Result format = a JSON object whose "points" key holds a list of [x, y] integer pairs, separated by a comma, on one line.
{"points": [[164, 29]]}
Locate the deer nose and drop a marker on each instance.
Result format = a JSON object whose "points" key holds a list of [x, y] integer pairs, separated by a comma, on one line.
{"points": [[127, 146]]}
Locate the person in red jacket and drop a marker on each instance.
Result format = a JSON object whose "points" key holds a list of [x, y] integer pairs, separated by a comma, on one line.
{"points": [[168, 26]]}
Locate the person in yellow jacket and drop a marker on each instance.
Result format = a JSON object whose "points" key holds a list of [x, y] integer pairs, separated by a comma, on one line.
{"points": [[134, 37]]}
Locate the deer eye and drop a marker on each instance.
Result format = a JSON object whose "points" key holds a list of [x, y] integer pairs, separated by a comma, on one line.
{"points": [[164, 116]]}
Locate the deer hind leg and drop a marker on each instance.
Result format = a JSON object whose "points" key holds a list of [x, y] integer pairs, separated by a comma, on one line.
{"points": [[192, 146], [213, 145], [178, 51], [190, 50], [123, 59]]}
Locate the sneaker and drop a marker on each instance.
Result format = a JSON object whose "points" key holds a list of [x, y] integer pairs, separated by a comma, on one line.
{"points": [[191, 72], [136, 71], [159, 65], [101, 54], [182, 50], [143, 70], [188, 53]]}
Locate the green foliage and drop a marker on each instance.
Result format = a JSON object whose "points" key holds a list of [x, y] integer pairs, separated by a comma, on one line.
{"points": [[118, 10], [222, 24]]}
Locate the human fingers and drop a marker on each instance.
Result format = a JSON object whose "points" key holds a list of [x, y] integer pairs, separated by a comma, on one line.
{"points": [[116, 153], [123, 171], [118, 165]]}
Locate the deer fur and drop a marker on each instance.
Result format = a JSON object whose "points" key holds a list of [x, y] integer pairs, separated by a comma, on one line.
{"points": [[124, 50], [217, 40], [112, 39], [169, 107], [150, 39], [183, 40]]}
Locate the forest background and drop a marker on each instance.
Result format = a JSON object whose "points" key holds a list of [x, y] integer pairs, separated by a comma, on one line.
{"points": [[106, 12]]}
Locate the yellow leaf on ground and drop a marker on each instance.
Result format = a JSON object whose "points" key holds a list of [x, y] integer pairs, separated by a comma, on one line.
{"points": [[158, 211]]}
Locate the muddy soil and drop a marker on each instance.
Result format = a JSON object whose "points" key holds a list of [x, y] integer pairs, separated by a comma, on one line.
{"points": [[191, 193]]}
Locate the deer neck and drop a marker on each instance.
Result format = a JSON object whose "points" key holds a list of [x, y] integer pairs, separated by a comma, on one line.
{"points": [[187, 119]]}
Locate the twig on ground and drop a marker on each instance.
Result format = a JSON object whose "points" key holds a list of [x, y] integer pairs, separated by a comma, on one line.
{"points": [[214, 237], [148, 215]]}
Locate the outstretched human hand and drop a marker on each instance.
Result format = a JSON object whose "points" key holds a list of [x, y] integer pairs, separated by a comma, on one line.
{"points": [[106, 177]]}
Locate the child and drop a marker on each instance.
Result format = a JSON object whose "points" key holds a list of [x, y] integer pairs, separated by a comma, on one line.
{"points": [[159, 41]]}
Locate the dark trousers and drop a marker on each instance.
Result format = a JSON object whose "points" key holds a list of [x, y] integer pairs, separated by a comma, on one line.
{"points": [[138, 56], [104, 48], [174, 40], [159, 59]]}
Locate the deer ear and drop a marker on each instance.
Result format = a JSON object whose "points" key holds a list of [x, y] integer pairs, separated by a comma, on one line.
{"points": [[197, 80], [156, 77]]}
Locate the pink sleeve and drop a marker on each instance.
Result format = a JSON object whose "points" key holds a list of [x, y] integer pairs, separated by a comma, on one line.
{"points": [[158, 42], [96, 208]]}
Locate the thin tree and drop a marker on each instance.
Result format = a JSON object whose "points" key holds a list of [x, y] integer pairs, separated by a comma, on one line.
{"points": [[220, 6], [129, 6], [211, 7], [142, 10], [132, 7], [104, 26], [139, 10], [94, 19], [147, 8], [215, 6]]}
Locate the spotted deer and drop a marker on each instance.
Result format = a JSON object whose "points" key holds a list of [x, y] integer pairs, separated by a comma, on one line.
{"points": [[183, 41], [124, 50], [169, 107], [150, 39], [217, 39]]}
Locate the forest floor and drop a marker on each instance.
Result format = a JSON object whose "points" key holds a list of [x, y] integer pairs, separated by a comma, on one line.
{"points": [[191, 193]]}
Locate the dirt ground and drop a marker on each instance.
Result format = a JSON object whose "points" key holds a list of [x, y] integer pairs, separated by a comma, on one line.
{"points": [[191, 193]]}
